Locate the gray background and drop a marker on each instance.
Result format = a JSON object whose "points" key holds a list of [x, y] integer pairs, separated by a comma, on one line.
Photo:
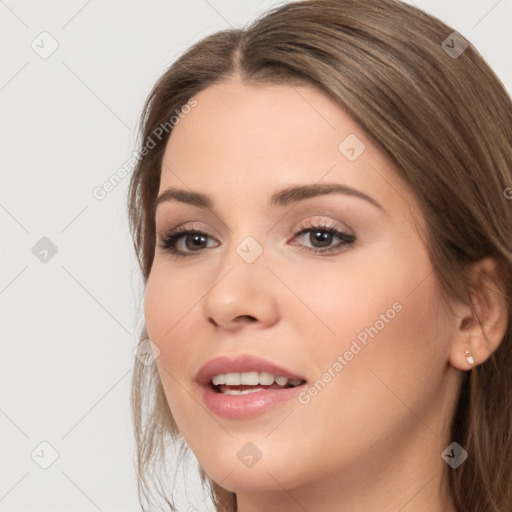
{"points": [[69, 322]]}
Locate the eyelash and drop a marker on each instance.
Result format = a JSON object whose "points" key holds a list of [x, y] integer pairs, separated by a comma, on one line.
{"points": [[170, 239]]}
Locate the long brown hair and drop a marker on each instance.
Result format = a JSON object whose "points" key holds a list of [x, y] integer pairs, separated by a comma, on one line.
{"points": [[444, 119]]}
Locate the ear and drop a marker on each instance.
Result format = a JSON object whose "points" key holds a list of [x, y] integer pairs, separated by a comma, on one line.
{"points": [[481, 329]]}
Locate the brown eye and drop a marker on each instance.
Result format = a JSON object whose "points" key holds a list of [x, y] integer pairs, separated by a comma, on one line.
{"points": [[184, 242], [321, 237]]}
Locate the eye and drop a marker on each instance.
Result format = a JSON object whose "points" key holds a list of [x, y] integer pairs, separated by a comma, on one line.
{"points": [[321, 237], [184, 242]]}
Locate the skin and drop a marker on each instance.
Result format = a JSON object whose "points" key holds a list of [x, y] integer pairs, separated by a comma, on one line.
{"points": [[372, 439]]}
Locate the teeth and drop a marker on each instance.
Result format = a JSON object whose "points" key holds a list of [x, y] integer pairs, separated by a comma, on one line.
{"points": [[232, 379], [219, 379], [267, 379], [252, 379], [282, 381], [238, 392]]}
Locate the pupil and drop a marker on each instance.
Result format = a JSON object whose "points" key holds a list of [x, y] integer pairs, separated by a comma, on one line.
{"points": [[322, 237], [197, 240]]}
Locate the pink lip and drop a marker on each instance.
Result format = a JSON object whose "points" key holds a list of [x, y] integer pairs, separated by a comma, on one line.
{"points": [[248, 405]]}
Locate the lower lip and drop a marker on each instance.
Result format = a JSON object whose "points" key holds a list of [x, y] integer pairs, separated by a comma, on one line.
{"points": [[248, 405]]}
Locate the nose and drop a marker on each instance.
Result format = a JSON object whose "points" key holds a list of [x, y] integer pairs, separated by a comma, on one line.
{"points": [[243, 294]]}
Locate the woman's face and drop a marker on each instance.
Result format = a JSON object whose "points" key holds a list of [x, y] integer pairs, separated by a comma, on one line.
{"points": [[349, 305]]}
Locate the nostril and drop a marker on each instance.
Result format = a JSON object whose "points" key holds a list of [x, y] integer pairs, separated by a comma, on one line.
{"points": [[238, 319], [247, 317]]}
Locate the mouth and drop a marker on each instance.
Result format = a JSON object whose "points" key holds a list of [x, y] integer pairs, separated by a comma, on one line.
{"points": [[245, 386]]}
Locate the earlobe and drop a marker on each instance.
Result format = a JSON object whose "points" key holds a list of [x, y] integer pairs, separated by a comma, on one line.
{"points": [[469, 357], [463, 356], [480, 329]]}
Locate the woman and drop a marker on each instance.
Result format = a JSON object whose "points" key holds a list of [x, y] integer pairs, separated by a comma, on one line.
{"points": [[321, 212]]}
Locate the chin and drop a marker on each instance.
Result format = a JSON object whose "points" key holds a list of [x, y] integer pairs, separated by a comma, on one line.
{"points": [[257, 479], [243, 465]]}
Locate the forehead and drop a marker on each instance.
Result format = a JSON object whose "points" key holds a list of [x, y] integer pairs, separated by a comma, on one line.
{"points": [[263, 121], [250, 140]]}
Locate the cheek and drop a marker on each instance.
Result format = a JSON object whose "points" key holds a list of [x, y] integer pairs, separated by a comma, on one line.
{"points": [[381, 317], [169, 323], [362, 296], [168, 310], [368, 396], [159, 309], [388, 331], [169, 302]]}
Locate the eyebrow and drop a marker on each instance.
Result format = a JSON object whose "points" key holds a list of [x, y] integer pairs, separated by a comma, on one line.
{"points": [[285, 197]]}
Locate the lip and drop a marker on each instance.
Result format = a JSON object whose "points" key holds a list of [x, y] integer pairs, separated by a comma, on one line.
{"points": [[251, 404]]}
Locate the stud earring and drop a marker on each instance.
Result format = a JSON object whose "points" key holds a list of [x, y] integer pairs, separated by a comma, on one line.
{"points": [[469, 357]]}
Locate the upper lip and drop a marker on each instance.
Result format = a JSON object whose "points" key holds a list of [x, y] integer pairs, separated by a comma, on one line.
{"points": [[240, 364]]}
